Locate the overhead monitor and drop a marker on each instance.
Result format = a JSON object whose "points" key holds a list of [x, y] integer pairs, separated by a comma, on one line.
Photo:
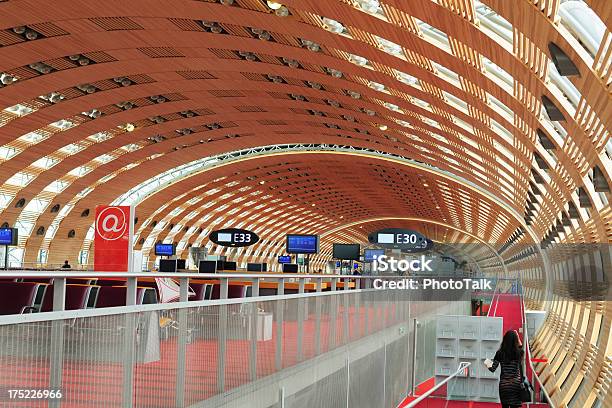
{"points": [[255, 267], [302, 244], [229, 266], [370, 254], [207, 267], [165, 249], [8, 236], [348, 252], [290, 268], [167, 265], [181, 264], [284, 259]]}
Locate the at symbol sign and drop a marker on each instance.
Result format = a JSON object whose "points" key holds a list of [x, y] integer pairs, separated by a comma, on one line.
{"points": [[111, 224]]}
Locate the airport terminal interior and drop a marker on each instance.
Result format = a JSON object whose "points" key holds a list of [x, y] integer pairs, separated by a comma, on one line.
{"points": [[305, 203]]}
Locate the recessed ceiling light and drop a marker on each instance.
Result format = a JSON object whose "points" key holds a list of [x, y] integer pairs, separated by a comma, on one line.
{"points": [[130, 127], [262, 182], [274, 5], [282, 12], [382, 127], [313, 204]]}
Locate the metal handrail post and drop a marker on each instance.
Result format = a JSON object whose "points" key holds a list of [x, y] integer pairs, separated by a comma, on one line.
{"points": [[462, 366]]}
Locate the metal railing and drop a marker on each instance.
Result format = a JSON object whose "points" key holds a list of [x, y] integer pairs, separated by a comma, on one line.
{"points": [[224, 279], [528, 350], [462, 367], [215, 352]]}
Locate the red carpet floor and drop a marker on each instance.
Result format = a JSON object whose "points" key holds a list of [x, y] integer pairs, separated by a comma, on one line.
{"points": [[510, 308], [87, 384]]}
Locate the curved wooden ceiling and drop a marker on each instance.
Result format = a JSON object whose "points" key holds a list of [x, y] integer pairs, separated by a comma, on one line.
{"points": [[99, 97]]}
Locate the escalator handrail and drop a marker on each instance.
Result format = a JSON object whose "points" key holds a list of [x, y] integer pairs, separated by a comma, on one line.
{"points": [[462, 366], [528, 349]]}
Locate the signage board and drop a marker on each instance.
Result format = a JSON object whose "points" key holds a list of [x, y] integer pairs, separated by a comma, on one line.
{"points": [[233, 237], [398, 238], [114, 229]]}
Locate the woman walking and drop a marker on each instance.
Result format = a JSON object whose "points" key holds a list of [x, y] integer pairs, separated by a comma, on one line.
{"points": [[510, 356]]}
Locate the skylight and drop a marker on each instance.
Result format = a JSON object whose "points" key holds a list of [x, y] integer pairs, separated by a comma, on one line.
{"points": [[407, 79], [393, 107], [19, 110], [498, 73], [584, 24], [71, 148], [63, 124], [8, 152], [377, 86], [100, 137], [20, 179], [390, 47], [334, 26], [32, 137], [404, 123], [434, 35], [493, 23], [358, 60], [105, 158], [371, 7], [446, 74], [45, 162]]}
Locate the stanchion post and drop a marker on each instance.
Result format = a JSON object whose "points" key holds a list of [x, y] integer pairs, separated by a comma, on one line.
{"points": [[129, 336], [280, 305], [221, 341], [182, 344], [253, 331], [57, 340]]}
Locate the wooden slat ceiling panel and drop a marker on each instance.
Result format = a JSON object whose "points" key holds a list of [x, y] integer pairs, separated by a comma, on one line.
{"points": [[218, 100]]}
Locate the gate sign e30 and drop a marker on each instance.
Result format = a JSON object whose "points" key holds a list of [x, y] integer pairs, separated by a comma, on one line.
{"points": [[424, 246], [113, 238], [397, 238], [233, 237]]}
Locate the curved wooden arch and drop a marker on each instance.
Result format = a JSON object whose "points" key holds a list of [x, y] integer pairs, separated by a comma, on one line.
{"points": [[157, 45]]}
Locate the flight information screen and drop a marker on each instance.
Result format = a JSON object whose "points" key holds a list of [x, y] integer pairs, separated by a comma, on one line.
{"points": [[164, 249], [6, 236], [284, 259], [370, 254], [302, 244]]}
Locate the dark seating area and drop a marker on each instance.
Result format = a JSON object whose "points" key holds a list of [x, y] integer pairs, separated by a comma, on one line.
{"points": [[18, 297], [33, 295], [113, 296], [233, 291], [77, 297], [202, 291]]}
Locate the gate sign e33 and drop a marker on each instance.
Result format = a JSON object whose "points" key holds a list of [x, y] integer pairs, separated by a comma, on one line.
{"points": [[113, 238], [233, 237], [398, 238]]}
